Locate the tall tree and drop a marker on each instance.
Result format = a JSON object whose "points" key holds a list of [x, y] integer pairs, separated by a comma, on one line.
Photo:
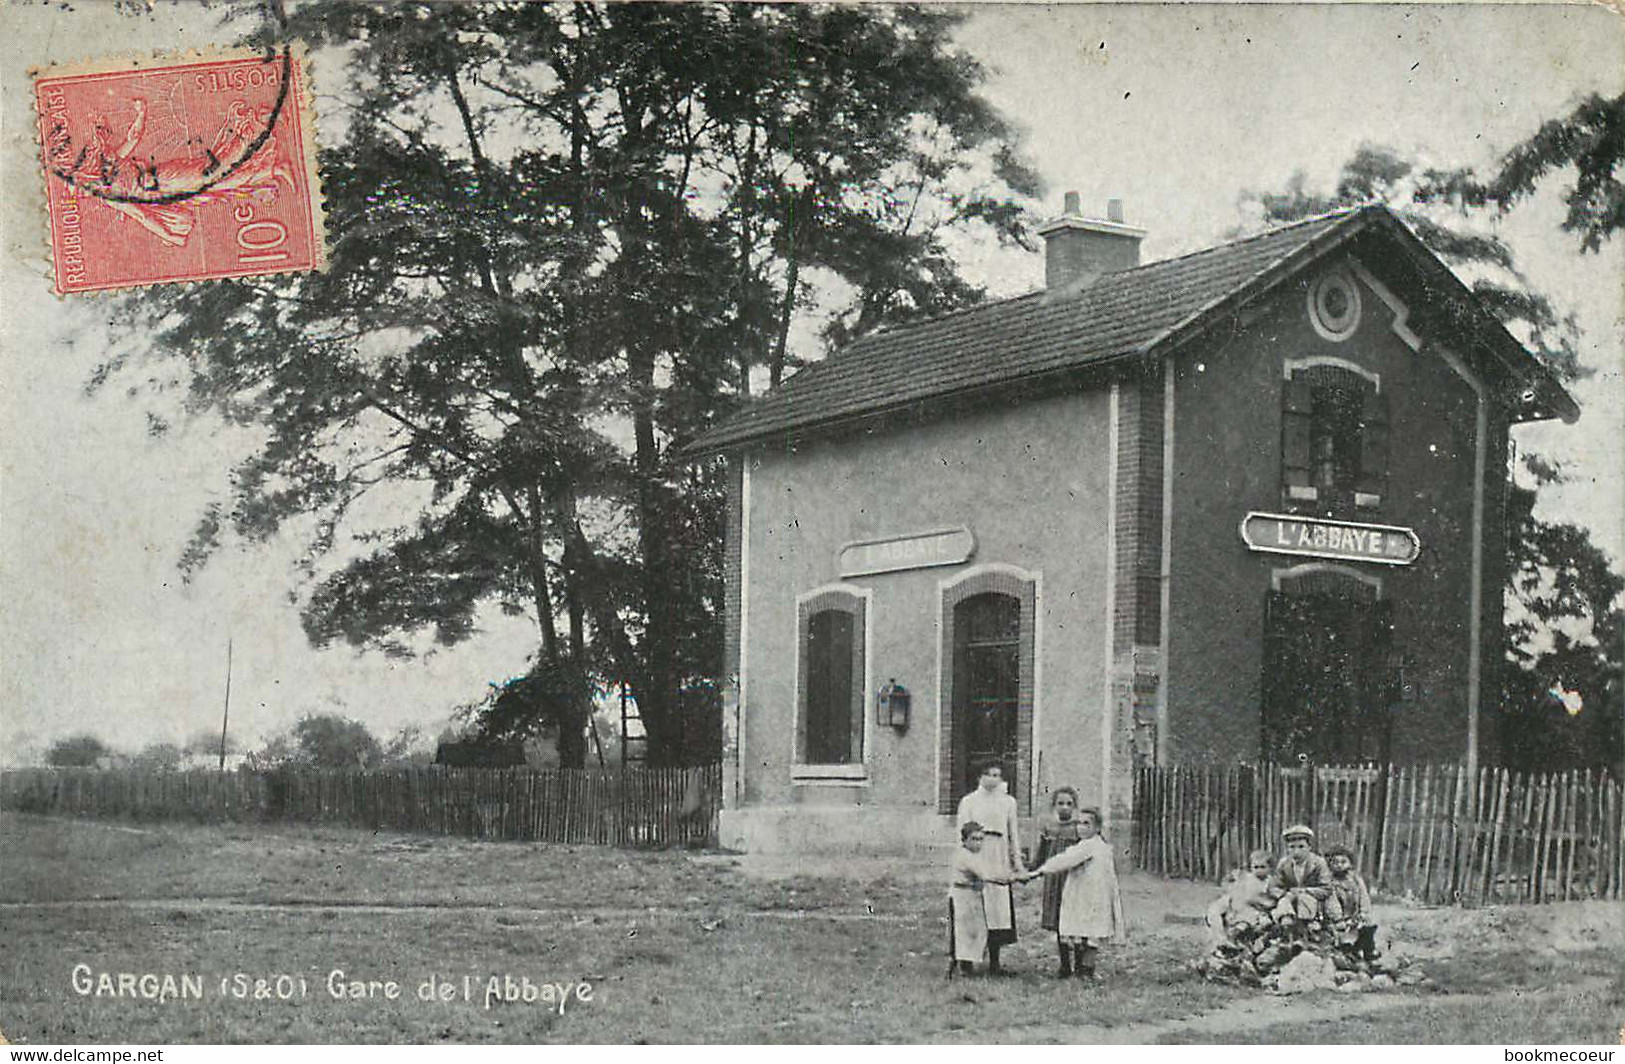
{"points": [[563, 237], [1563, 679]]}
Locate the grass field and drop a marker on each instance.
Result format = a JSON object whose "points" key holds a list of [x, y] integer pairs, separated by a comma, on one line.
{"points": [[675, 946]]}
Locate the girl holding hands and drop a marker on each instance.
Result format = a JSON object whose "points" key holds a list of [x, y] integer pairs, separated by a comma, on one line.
{"points": [[1091, 906]]}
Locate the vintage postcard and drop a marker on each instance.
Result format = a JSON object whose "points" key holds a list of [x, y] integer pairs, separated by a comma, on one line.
{"points": [[812, 523]]}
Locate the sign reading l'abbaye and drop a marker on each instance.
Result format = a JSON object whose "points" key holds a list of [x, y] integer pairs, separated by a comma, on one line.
{"points": [[950, 546], [1320, 538]]}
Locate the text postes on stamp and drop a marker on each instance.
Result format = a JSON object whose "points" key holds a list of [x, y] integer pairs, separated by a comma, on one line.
{"points": [[179, 170]]}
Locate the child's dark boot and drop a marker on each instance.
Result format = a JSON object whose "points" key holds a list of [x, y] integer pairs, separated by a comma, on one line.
{"points": [[1066, 961], [1366, 943], [1086, 963]]}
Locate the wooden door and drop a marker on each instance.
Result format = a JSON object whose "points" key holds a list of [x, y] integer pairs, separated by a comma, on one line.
{"points": [[987, 687], [1326, 688]]}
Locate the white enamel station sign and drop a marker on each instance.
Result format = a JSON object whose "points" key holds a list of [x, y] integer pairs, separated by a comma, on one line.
{"points": [[1319, 538], [950, 546]]}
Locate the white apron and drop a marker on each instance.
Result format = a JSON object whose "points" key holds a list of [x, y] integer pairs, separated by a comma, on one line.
{"points": [[997, 814]]}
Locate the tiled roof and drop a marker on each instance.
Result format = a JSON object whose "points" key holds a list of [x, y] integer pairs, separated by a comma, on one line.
{"points": [[1126, 313]]}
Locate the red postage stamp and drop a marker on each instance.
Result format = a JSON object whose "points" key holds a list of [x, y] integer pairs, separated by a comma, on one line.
{"points": [[179, 170]]}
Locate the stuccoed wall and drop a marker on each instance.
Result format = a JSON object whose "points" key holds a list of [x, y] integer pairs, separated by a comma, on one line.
{"points": [[1029, 481]]}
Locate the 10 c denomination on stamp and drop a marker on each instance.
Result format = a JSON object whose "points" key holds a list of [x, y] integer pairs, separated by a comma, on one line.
{"points": [[179, 170]]}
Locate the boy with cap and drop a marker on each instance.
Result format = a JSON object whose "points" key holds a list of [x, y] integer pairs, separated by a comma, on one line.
{"points": [[1302, 883]]}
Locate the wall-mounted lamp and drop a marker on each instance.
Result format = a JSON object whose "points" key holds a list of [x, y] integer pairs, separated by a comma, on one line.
{"points": [[891, 705]]}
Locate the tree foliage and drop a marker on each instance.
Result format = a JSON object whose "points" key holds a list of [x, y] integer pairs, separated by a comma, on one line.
{"points": [[563, 239], [1563, 677], [1588, 142], [77, 751], [276, 750], [1469, 245], [205, 743], [408, 746], [327, 740], [159, 757]]}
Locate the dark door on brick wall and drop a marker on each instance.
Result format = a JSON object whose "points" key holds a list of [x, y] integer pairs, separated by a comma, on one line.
{"points": [[987, 687], [1327, 684]]}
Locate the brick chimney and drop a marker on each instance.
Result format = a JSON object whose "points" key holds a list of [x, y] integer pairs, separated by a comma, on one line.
{"points": [[1077, 250]]}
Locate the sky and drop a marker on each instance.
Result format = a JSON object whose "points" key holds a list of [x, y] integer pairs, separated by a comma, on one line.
{"points": [[1178, 110]]}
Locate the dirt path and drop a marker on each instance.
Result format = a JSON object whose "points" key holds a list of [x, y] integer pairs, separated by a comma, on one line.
{"points": [[207, 905], [1257, 1013]]}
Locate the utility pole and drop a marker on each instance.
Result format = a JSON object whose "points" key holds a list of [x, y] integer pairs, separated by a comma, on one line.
{"points": [[225, 716]]}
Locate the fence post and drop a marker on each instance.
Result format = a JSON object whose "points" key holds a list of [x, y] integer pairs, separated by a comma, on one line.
{"points": [[1385, 822], [1616, 832], [1571, 826]]}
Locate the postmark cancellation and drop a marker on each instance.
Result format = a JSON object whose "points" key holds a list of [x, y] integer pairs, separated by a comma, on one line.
{"points": [[177, 169]]}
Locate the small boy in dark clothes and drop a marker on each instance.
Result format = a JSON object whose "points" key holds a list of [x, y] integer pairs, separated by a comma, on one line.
{"points": [[1357, 928]]}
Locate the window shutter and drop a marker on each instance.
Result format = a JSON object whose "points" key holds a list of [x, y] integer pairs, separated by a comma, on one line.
{"points": [[1297, 406], [805, 698], [856, 693], [829, 673], [835, 727], [1373, 478]]}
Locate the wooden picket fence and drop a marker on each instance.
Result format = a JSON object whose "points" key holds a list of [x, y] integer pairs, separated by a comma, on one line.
{"points": [[1427, 832], [610, 807]]}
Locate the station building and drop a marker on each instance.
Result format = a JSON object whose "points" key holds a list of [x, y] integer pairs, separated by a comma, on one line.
{"points": [[1244, 504]]}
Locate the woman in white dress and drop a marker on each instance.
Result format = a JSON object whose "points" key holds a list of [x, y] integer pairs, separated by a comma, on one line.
{"points": [[992, 807]]}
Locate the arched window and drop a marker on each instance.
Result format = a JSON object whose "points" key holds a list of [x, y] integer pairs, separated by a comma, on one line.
{"points": [[1329, 681], [1334, 436], [830, 680]]}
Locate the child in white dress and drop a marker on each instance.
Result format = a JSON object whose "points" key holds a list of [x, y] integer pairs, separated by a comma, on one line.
{"points": [[974, 870], [1091, 905], [1245, 905], [991, 806]]}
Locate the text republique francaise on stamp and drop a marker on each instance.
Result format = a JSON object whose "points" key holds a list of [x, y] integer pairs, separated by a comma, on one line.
{"points": [[179, 169]]}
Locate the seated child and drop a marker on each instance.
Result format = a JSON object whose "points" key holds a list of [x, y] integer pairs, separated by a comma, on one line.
{"points": [[1245, 905], [1301, 884], [1091, 906], [967, 916], [1357, 928], [1056, 834]]}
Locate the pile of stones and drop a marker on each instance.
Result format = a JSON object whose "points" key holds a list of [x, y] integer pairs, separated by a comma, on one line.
{"points": [[1290, 960]]}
